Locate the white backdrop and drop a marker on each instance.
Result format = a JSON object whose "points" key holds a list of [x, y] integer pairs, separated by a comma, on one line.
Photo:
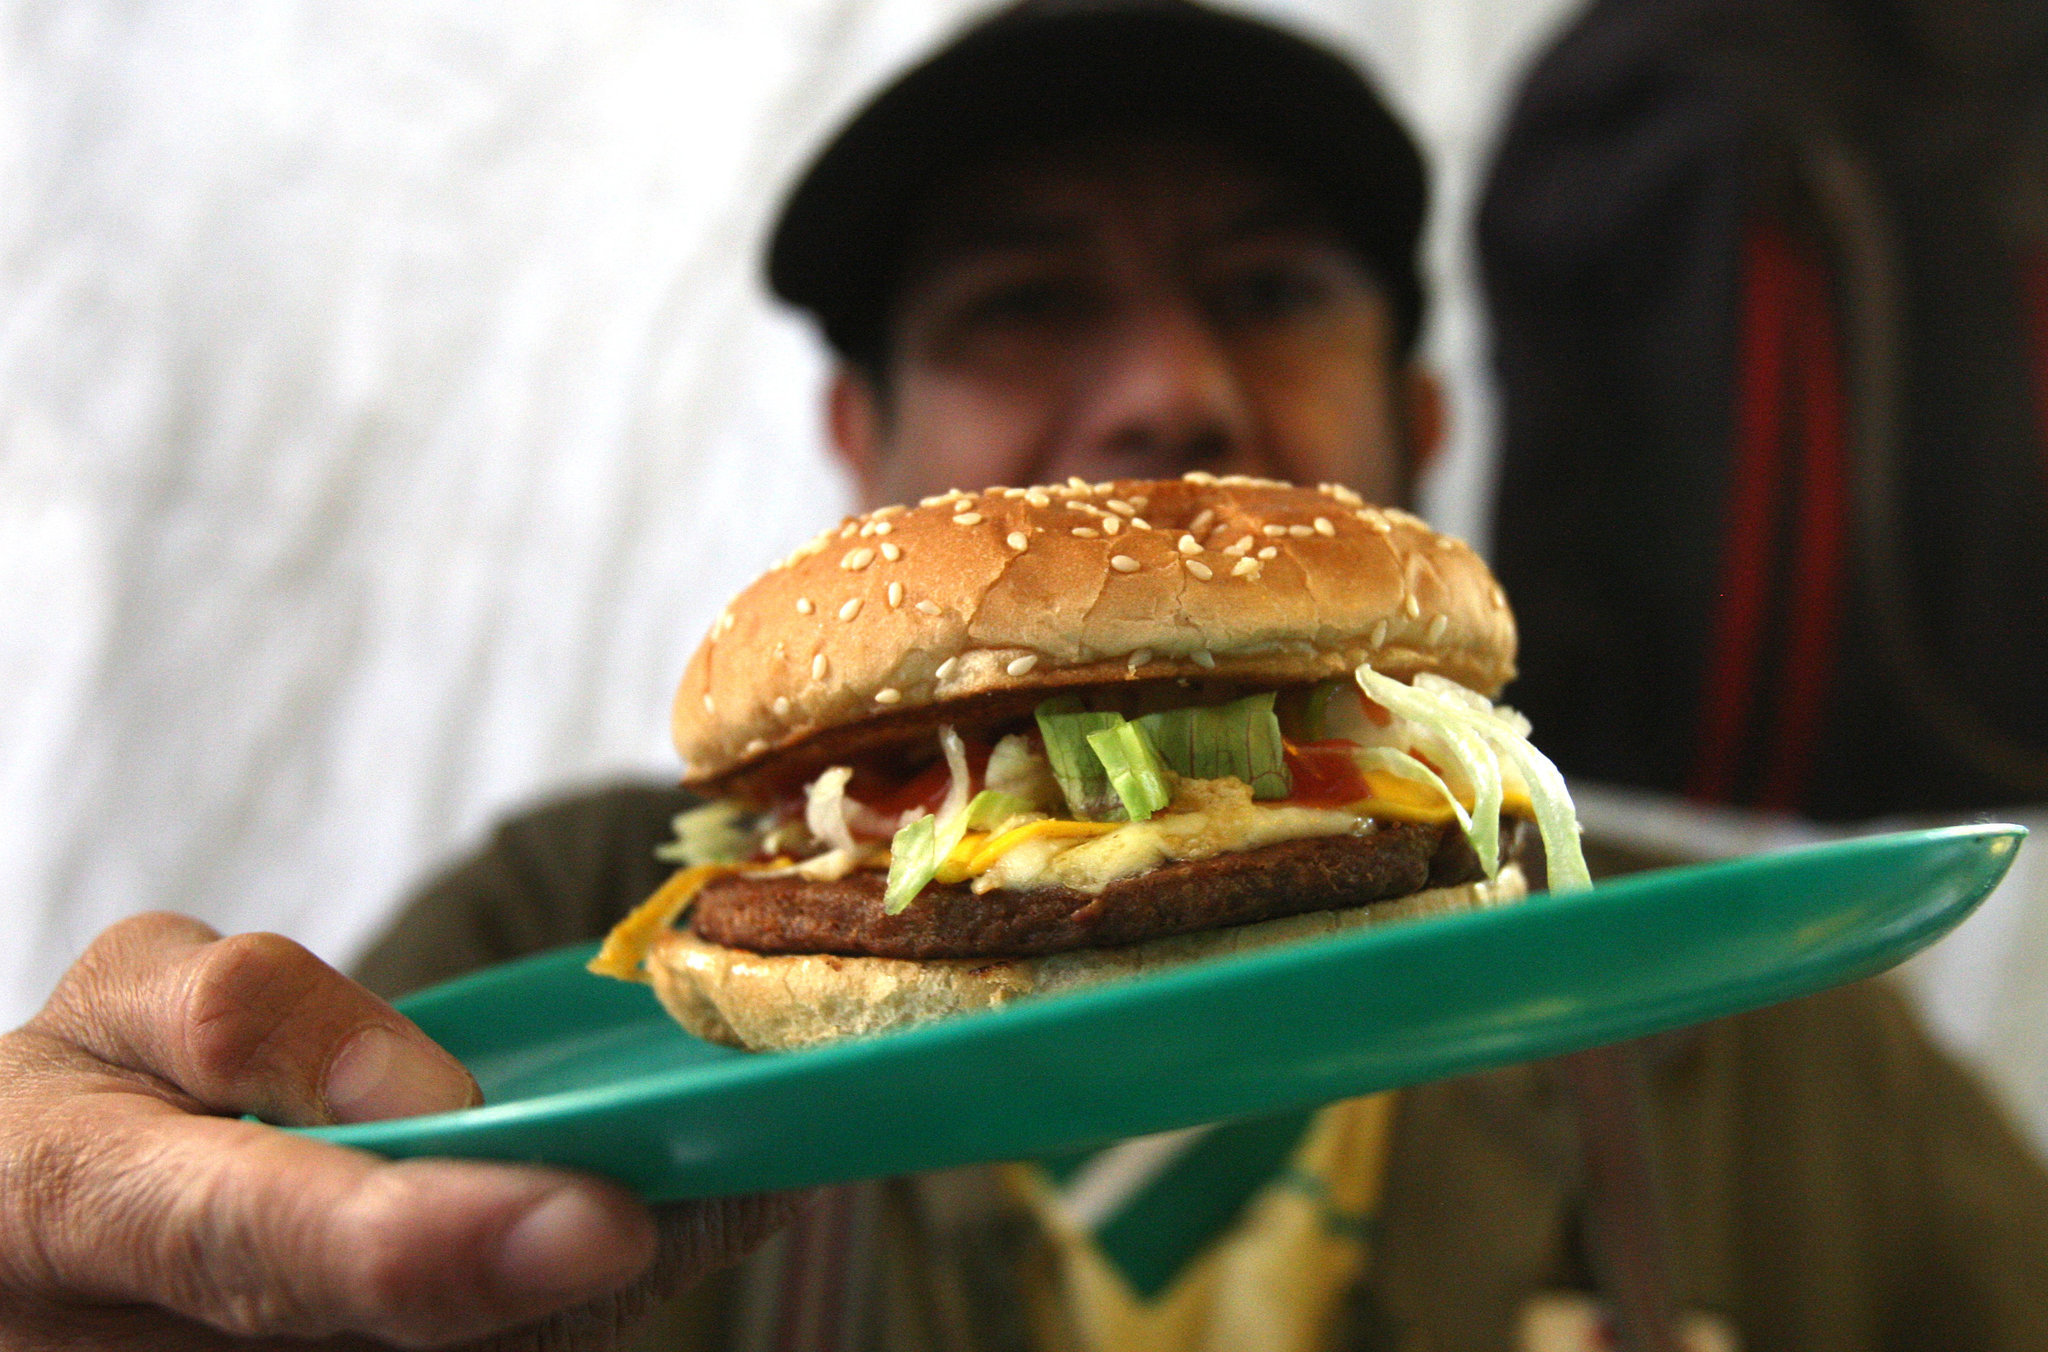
{"points": [[387, 401]]}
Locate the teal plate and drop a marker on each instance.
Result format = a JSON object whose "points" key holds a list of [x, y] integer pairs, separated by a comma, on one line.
{"points": [[589, 1073]]}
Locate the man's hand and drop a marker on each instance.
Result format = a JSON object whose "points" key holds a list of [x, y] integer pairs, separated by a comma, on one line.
{"points": [[138, 1211]]}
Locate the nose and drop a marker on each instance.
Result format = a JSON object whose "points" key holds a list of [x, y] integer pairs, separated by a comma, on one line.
{"points": [[1163, 397]]}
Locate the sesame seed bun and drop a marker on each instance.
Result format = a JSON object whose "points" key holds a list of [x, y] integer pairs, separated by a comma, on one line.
{"points": [[772, 1002], [974, 606]]}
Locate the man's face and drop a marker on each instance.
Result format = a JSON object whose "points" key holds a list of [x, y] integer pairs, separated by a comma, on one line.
{"points": [[1134, 312]]}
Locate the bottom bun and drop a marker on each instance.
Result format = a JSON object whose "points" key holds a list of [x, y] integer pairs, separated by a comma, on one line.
{"points": [[774, 1002]]}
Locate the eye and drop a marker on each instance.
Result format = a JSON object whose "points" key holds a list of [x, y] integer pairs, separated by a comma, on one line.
{"points": [[1028, 302], [1266, 292]]}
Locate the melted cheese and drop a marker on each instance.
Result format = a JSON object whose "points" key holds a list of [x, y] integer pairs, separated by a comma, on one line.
{"points": [[1208, 817]]}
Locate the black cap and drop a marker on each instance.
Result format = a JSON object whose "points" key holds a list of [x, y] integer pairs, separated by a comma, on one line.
{"points": [[1046, 71]]}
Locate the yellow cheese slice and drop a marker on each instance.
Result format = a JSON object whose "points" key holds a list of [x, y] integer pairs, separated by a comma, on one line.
{"points": [[627, 946]]}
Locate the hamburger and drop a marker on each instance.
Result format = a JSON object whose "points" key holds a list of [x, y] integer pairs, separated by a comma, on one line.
{"points": [[1011, 742]]}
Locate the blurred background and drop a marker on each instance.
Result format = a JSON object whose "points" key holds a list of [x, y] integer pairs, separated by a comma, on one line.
{"points": [[388, 400]]}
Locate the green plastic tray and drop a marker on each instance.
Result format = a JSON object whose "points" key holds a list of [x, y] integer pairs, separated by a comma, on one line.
{"points": [[589, 1073]]}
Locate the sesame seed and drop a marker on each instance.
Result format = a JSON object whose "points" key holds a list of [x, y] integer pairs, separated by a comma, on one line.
{"points": [[1269, 552], [1379, 634], [1323, 526], [1382, 525], [1088, 532], [804, 606], [709, 707], [1077, 483], [884, 513], [858, 559], [850, 609], [847, 531], [1123, 563], [888, 694], [927, 607], [1245, 567], [755, 747], [1241, 548], [967, 519], [1437, 627], [1190, 545], [1301, 532], [782, 706], [1273, 528], [1199, 476], [883, 528], [818, 667], [1199, 569], [946, 668], [1203, 520], [1140, 523], [1412, 606], [1500, 599], [891, 550], [1112, 524], [1203, 658], [1142, 657], [1021, 666], [1343, 495], [895, 595], [1120, 507], [1037, 498], [1018, 539], [1446, 542], [1138, 500], [1102, 488], [1013, 493]]}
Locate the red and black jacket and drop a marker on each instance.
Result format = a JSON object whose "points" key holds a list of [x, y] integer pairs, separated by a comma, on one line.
{"points": [[1769, 293]]}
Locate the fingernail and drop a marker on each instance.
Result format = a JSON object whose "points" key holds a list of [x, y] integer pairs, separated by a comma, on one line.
{"points": [[379, 1074], [570, 1243]]}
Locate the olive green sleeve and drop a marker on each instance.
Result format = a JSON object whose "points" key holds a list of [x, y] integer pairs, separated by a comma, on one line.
{"points": [[1978, 1266], [560, 874]]}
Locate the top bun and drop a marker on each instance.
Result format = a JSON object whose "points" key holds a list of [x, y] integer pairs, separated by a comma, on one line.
{"points": [[971, 606]]}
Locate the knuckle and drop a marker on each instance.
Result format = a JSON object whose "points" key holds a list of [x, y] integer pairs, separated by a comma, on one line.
{"points": [[220, 1263], [40, 1173], [102, 972], [414, 1298], [241, 992]]}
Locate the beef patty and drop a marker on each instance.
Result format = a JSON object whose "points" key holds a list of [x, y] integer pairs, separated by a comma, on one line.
{"points": [[792, 915]]}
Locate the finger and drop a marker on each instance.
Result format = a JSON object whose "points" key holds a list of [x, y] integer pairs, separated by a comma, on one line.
{"points": [[252, 1023], [261, 1233]]}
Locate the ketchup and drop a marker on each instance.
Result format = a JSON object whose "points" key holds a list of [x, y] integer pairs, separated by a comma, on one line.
{"points": [[926, 789], [1325, 773]]}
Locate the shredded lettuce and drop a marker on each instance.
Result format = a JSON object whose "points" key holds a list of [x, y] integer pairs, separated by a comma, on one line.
{"points": [[1016, 769], [921, 844], [1238, 740], [1084, 782], [1477, 734], [720, 832], [913, 862], [991, 808], [825, 808], [1133, 767]]}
